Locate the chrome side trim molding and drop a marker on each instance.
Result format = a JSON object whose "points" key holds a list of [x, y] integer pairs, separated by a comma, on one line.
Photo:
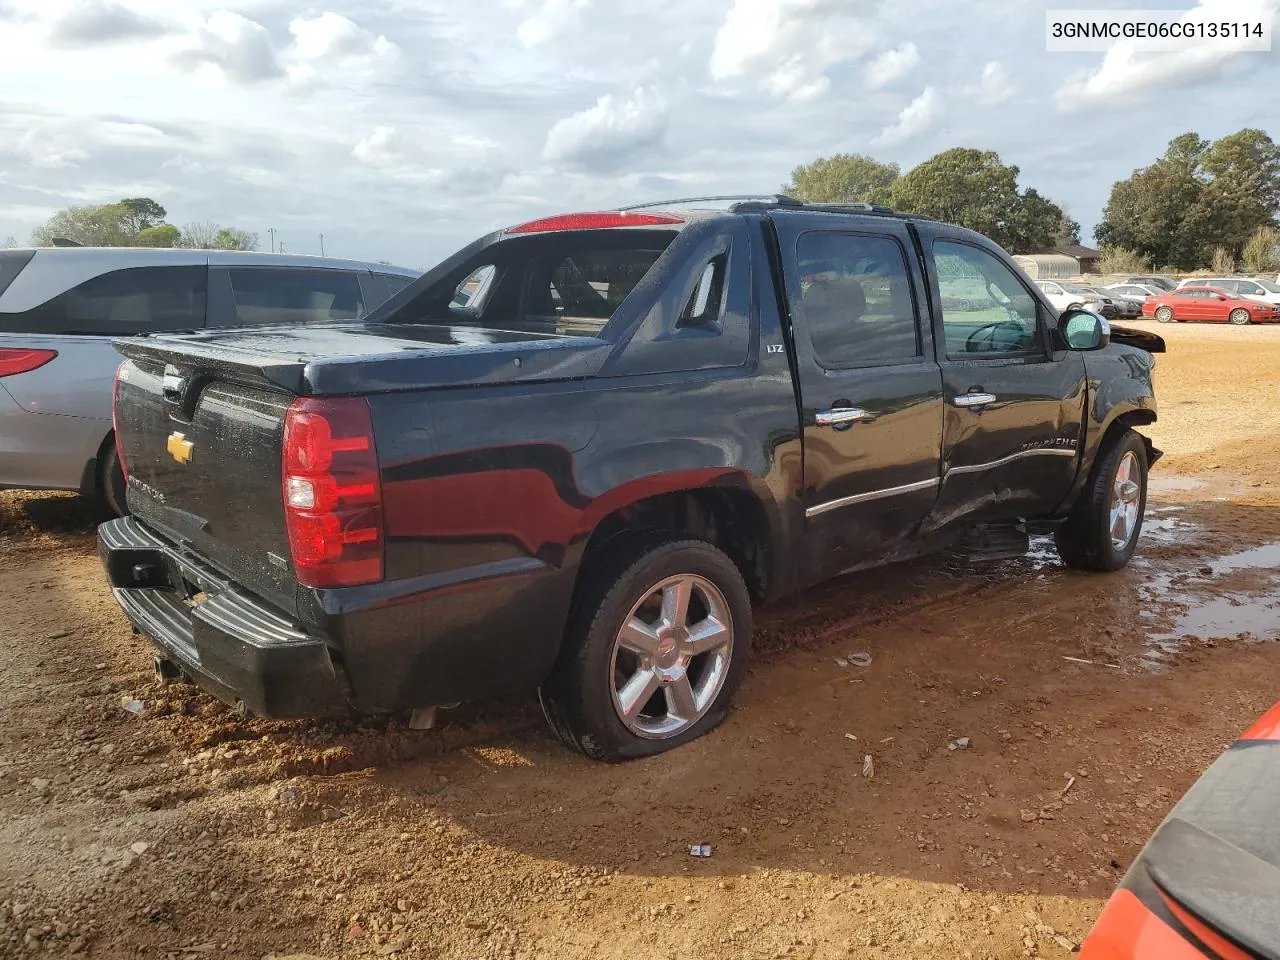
{"points": [[822, 508], [1021, 454]]}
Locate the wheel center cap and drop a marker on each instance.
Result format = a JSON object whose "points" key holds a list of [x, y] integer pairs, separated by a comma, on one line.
{"points": [[669, 646]]}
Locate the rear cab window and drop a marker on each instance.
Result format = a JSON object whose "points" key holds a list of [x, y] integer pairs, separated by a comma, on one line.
{"points": [[567, 282], [120, 303], [260, 296]]}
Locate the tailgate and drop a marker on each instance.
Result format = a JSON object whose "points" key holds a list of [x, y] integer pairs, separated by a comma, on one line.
{"points": [[202, 452]]}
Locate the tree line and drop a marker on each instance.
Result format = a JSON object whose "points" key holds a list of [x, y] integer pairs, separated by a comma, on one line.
{"points": [[968, 187], [1202, 204], [137, 222]]}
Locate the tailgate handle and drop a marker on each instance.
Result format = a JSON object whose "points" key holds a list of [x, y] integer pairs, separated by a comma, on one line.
{"points": [[172, 384]]}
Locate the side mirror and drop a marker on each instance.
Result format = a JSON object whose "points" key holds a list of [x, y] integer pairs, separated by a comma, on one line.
{"points": [[1084, 330]]}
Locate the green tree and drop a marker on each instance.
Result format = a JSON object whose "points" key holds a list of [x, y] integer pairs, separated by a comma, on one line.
{"points": [[229, 238], [974, 189], [1122, 260], [1262, 253], [143, 213], [1157, 211], [1195, 198], [1040, 224], [92, 226], [207, 235], [161, 235], [1244, 192], [844, 178]]}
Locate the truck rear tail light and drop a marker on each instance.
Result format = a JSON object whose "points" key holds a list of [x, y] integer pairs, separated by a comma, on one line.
{"points": [[23, 361], [332, 492], [115, 421], [595, 221]]}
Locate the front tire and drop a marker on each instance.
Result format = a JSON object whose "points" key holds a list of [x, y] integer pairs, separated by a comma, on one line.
{"points": [[1102, 530], [1165, 314], [1240, 317], [656, 646]]}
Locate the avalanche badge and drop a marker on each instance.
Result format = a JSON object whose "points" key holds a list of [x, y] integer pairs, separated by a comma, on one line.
{"points": [[179, 447]]}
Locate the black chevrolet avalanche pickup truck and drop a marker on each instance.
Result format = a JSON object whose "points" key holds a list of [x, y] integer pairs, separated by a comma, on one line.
{"points": [[577, 452]]}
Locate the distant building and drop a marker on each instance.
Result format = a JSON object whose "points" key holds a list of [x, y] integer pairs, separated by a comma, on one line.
{"points": [[1087, 257], [1069, 260], [1048, 266]]}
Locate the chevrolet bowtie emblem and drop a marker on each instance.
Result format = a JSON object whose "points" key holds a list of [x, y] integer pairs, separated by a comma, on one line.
{"points": [[179, 447]]}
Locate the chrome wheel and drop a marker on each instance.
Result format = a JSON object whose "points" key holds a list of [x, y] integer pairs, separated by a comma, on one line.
{"points": [[1164, 315], [671, 657], [1126, 499], [1240, 317]]}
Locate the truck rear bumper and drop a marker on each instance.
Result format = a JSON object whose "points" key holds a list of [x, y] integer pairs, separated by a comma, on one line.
{"points": [[237, 649]]}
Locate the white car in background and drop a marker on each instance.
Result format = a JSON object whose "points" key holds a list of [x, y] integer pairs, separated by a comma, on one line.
{"points": [[1071, 296], [1248, 288], [1135, 291]]}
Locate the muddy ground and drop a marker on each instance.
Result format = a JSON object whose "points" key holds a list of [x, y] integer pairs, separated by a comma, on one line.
{"points": [[182, 832]]}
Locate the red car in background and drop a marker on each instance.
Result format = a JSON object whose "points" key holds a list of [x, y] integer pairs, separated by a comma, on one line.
{"points": [[1209, 303], [1207, 884]]}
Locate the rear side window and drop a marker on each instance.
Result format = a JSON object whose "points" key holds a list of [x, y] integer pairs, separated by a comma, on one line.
{"points": [[856, 297], [272, 295], [120, 303], [11, 264], [395, 282]]}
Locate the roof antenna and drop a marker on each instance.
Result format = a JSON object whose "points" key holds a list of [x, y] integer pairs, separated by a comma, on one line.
{"points": [[66, 242]]}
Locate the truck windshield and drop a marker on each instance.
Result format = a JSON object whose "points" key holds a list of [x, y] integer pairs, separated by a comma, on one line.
{"points": [[570, 282]]}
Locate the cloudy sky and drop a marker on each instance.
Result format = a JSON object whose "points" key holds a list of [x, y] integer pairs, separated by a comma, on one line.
{"points": [[401, 129]]}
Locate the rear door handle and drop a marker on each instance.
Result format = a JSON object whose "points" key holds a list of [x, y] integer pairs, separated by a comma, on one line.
{"points": [[974, 399], [837, 416]]}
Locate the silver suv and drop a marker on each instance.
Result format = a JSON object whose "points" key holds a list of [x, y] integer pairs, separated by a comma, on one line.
{"points": [[60, 307]]}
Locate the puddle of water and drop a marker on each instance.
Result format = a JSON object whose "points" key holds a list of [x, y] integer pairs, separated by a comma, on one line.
{"points": [[1264, 557], [1254, 616], [1233, 614], [1167, 530], [1156, 530]]}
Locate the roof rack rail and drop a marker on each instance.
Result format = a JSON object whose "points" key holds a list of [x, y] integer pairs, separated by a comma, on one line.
{"points": [[776, 199]]}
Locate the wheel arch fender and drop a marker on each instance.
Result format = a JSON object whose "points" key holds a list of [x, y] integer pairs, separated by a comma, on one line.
{"points": [[726, 506]]}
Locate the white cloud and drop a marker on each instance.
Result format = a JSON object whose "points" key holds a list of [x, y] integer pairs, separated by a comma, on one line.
{"points": [[1129, 75], [238, 47], [892, 66], [603, 136], [92, 23], [789, 45], [995, 86], [39, 152], [332, 36], [917, 118], [550, 19], [382, 148]]}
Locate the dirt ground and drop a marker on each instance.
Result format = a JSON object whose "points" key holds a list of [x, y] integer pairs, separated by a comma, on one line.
{"points": [[180, 831]]}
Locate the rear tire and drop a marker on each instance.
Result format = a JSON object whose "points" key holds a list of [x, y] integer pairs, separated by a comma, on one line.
{"points": [[111, 483], [1165, 314], [1240, 317], [618, 692], [1102, 530]]}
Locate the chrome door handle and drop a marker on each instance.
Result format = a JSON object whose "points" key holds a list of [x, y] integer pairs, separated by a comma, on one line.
{"points": [[974, 399], [838, 415]]}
